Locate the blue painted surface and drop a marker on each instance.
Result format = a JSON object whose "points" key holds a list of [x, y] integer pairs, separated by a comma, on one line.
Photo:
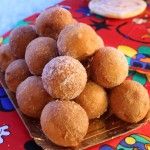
{"points": [[5, 103]]}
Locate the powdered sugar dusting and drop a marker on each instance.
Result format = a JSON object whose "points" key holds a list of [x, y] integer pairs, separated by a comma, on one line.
{"points": [[64, 77]]}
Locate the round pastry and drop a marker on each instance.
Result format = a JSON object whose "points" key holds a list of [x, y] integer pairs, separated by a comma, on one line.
{"points": [[64, 77], [109, 67], [6, 56], [51, 21], [32, 97], [79, 41], [129, 101], [65, 123], [20, 37], [15, 73], [119, 9], [39, 52], [93, 99]]}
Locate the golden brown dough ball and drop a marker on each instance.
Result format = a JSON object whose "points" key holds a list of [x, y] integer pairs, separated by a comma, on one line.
{"points": [[109, 67], [20, 37], [15, 73], [51, 21], [39, 52], [93, 99], [79, 41], [6, 56], [64, 77], [65, 123], [129, 101], [32, 97]]}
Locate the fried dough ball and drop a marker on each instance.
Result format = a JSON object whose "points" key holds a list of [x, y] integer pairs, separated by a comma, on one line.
{"points": [[79, 41], [15, 73], [6, 56], [39, 52], [32, 97], [93, 99], [109, 67], [64, 77], [129, 101], [51, 21], [20, 37], [65, 123]]}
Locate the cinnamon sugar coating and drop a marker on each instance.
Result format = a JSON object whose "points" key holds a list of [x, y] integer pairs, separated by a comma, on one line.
{"points": [[64, 122], [51, 21], [20, 37], [39, 52], [32, 97], [130, 101], [64, 77], [6, 56], [109, 67], [15, 73], [78, 41]]}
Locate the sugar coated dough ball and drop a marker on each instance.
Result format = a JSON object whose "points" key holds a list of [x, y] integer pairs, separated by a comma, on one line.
{"points": [[39, 52], [64, 77], [51, 21], [15, 73], [20, 37], [64, 122], [93, 99], [79, 41], [130, 101], [109, 67], [32, 97], [6, 56]]}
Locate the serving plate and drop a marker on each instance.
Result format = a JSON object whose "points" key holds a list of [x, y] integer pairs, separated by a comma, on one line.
{"points": [[105, 128]]}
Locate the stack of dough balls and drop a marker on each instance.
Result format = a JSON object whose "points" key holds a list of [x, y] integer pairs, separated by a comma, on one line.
{"points": [[45, 65]]}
